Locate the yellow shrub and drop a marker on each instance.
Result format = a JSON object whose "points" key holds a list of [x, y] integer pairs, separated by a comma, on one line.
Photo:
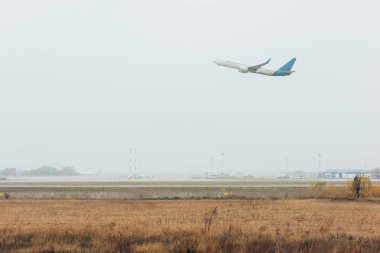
{"points": [[349, 190], [360, 186], [318, 189], [375, 191]]}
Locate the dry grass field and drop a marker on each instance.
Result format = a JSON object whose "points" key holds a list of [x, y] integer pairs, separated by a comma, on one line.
{"points": [[189, 226]]}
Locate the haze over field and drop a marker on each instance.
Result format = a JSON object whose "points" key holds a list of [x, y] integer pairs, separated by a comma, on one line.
{"points": [[82, 82]]}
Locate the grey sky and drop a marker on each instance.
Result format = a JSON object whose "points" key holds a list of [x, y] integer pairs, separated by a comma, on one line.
{"points": [[83, 81]]}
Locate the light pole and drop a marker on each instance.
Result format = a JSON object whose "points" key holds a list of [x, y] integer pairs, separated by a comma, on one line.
{"points": [[319, 161], [287, 166]]}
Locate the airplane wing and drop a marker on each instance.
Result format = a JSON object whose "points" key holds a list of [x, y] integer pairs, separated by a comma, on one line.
{"points": [[256, 67]]}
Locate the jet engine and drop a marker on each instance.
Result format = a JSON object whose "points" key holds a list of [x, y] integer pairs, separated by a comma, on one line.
{"points": [[243, 69]]}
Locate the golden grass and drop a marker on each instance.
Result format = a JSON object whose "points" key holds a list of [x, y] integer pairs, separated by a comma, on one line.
{"points": [[189, 226]]}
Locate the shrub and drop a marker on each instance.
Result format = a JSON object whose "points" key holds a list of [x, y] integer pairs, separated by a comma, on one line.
{"points": [[208, 218], [123, 243], [360, 186], [7, 195], [318, 189], [375, 191], [322, 190]]}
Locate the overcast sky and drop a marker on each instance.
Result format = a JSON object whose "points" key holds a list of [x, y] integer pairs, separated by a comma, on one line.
{"points": [[82, 82]]}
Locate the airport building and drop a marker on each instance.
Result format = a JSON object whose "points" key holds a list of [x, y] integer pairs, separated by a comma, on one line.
{"points": [[347, 173]]}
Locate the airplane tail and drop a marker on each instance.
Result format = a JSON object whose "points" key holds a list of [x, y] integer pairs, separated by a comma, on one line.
{"points": [[288, 66]]}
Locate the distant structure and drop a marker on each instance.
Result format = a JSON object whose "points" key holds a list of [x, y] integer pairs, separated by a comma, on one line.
{"points": [[348, 173], [51, 171], [134, 163], [208, 175], [376, 173], [298, 174], [9, 172]]}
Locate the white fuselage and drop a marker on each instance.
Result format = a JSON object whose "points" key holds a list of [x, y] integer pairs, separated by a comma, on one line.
{"points": [[243, 68]]}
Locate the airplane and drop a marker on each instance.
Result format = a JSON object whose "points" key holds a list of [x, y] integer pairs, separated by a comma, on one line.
{"points": [[285, 70]]}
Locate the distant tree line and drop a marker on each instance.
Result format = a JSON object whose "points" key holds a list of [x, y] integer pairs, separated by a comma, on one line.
{"points": [[51, 171]]}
